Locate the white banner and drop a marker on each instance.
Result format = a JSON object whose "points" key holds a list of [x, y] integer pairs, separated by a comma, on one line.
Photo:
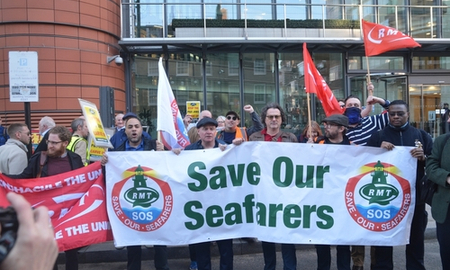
{"points": [[277, 192]]}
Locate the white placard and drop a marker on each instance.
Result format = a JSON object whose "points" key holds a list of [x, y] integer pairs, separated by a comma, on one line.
{"points": [[23, 77]]}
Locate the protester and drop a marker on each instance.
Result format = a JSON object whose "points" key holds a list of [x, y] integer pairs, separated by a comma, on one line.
{"points": [[359, 131], [56, 160], [438, 171], [13, 155], [136, 141], [315, 136], [192, 129], [45, 124], [206, 129], [35, 247], [79, 144], [187, 120], [335, 127], [231, 130], [118, 123], [361, 128], [273, 116], [203, 114], [120, 137], [220, 122], [400, 133]]}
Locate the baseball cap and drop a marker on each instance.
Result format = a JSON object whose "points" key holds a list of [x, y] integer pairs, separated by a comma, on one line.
{"points": [[206, 121], [233, 113], [129, 115], [337, 119]]}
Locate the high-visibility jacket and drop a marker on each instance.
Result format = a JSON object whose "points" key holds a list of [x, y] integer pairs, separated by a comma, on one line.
{"points": [[73, 142], [240, 133]]}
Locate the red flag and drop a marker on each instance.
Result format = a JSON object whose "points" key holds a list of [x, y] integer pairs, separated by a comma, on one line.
{"points": [[314, 83], [379, 39]]}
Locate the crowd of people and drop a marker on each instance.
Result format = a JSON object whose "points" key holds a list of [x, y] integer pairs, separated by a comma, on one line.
{"points": [[62, 150]]}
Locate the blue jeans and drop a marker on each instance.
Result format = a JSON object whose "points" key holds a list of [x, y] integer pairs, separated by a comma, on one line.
{"points": [[324, 257], [270, 256], [203, 254]]}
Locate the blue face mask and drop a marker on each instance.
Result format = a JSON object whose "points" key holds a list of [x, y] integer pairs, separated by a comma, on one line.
{"points": [[353, 114]]}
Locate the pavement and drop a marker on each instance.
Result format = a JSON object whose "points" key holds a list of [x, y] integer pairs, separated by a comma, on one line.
{"points": [[106, 252]]}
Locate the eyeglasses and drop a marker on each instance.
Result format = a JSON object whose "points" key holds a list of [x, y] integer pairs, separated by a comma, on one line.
{"points": [[229, 117], [273, 116], [52, 142], [397, 113]]}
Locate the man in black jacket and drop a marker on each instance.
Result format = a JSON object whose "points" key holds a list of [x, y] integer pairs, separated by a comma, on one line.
{"points": [[399, 132], [56, 160], [137, 142]]}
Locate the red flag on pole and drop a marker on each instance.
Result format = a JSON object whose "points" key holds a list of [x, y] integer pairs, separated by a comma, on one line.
{"points": [[314, 83], [379, 39]]}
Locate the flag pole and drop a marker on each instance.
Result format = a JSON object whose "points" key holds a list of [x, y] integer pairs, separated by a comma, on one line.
{"points": [[309, 116], [368, 80]]}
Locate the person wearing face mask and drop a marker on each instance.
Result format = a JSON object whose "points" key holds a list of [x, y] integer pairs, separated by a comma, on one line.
{"points": [[358, 132], [361, 128]]}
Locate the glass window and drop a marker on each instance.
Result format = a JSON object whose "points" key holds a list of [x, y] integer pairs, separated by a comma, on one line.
{"points": [[293, 9], [260, 94], [256, 11], [257, 88], [153, 69], [222, 90], [430, 63], [375, 63], [182, 68], [233, 67], [260, 67]]}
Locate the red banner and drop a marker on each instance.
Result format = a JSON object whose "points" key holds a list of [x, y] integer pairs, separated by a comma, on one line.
{"points": [[76, 201], [314, 83], [379, 39]]}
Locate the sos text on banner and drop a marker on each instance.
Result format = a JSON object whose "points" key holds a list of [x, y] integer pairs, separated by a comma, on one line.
{"points": [[285, 193], [76, 203]]}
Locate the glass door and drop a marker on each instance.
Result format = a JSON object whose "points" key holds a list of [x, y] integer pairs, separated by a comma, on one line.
{"points": [[429, 107], [389, 86]]}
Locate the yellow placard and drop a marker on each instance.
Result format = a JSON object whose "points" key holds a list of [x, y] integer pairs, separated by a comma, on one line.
{"points": [[94, 123], [193, 108]]}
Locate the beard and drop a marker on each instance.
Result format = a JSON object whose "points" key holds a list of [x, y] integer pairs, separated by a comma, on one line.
{"points": [[56, 152]]}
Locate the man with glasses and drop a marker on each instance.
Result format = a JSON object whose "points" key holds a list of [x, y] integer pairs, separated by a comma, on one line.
{"points": [[273, 116], [231, 133], [400, 133], [13, 154], [335, 128], [56, 160]]}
